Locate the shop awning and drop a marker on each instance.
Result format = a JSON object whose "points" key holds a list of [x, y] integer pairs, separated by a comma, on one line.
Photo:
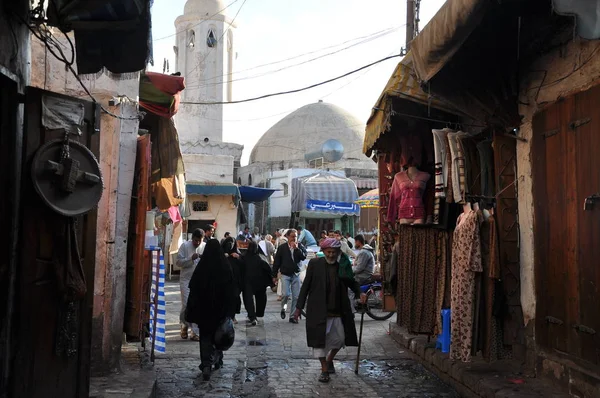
{"points": [[365, 183], [109, 35], [403, 84], [213, 189], [255, 194], [443, 36], [160, 93], [369, 200], [325, 193]]}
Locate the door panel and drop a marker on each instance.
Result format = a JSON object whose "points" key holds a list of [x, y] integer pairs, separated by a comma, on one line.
{"points": [[566, 170], [587, 138], [139, 267], [38, 370]]}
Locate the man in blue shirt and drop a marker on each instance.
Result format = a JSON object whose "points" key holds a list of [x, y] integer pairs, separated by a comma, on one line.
{"points": [[306, 238]]}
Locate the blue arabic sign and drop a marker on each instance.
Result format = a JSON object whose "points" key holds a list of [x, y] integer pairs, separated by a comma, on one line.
{"points": [[332, 207]]}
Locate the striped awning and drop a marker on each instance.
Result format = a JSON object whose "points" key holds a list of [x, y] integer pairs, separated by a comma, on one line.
{"points": [[365, 183], [325, 193]]}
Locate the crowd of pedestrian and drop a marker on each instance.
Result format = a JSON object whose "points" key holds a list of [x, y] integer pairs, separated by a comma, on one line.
{"points": [[216, 277]]}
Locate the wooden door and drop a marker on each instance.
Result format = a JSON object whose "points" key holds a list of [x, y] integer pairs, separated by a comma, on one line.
{"points": [[38, 369], [139, 266], [566, 170]]}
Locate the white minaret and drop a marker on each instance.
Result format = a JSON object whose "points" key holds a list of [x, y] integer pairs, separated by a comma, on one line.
{"points": [[204, 56]]}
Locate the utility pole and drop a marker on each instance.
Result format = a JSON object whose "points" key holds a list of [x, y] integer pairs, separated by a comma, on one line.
{"points": [[410, 23]]}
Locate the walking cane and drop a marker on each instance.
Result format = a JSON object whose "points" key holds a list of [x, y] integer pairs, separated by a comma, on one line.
{"points": [[362, 319]]}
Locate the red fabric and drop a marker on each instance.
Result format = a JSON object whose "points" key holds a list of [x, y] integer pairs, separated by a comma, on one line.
{"points": [[170, 85], [406, 197]]}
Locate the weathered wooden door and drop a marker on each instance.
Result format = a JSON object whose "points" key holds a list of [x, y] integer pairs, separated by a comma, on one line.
{"points": [[566, 167], [139, 266], [39, 369]]}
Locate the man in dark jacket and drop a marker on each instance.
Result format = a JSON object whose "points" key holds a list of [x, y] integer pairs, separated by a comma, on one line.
{"points": [[287, 260], [329, 318]]}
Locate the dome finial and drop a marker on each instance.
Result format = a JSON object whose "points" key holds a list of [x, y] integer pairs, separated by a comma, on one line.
{"points": [[320, 100]]}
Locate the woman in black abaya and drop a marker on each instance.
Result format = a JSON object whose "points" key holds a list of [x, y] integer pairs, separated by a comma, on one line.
{"points": [[211, 300]]}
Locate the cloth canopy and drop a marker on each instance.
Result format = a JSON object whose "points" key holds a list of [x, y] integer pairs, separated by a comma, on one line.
{"points": [[369, 199], [213, 189], [443, 36], [325, 193], [109, 34], [254, 194], [159, 93], [402, 84]]}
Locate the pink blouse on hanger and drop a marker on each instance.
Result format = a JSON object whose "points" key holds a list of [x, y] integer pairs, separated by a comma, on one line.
{"points": [[406, 197]]}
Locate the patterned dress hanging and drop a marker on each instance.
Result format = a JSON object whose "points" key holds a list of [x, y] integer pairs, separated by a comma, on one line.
{"points": [[466, 261]]}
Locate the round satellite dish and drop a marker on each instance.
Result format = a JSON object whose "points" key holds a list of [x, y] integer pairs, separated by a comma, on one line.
{"points": [[70, 187], [333, 150]]}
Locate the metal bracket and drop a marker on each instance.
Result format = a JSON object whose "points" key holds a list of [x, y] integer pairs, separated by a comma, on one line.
{"points": [[584, 329], [550, 133], [556, 321], [580, 122], [588, 203]]}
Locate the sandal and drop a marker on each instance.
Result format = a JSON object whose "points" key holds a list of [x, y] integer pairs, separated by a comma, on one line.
{"points": [[324, 378], [194, 337], [330, 368], [184, 333]]}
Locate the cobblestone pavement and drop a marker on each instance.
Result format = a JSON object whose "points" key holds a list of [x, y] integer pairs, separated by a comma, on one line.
{"points": [[272, 360]]}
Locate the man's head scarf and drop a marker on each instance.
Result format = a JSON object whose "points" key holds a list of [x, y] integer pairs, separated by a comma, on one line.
{"points": [[331, 243]]}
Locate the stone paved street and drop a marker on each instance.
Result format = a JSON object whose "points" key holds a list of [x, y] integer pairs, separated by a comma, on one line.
{"points": [[272, 360]]}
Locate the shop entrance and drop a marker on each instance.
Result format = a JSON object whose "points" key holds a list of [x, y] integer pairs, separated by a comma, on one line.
{"points": [[566, 177], [316, 225]]}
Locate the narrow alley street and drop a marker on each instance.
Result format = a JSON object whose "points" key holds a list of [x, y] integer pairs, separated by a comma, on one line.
{"points": [[272, 360]]}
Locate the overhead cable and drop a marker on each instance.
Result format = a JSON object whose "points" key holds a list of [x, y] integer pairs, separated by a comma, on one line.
{"points": [[296, 90]]}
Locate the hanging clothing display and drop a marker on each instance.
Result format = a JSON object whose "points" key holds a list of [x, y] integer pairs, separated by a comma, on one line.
{"points": [[441, 164], [472, 164], [421, 269], [458, 168], [486, 160], [466, 261], [406, 197], [450, 181]]}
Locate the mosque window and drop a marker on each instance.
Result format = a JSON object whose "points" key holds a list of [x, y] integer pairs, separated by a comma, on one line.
{"points": [[191, 42], [250, 180], [200, 205], [211, 40], [239, 180], [285, 189]]}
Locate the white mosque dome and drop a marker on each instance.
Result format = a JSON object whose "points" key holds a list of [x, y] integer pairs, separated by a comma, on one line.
{"points": [[311, 125], [204, 7]]}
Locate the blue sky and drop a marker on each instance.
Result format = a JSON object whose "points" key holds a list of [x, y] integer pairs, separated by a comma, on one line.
{"points": [[274, 30]]}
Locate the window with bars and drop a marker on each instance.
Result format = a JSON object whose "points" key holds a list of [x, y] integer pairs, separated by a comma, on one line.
{"points": [[200, 205]]}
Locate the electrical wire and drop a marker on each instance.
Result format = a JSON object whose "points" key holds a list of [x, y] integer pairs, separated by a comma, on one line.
{"points": [[296, 90], [380, 33], [268, 73], [218, 41], [352, 81], [198, 24]]}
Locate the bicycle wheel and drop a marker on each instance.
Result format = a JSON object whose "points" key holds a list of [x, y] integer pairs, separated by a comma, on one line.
{"points": [[375, 305]]}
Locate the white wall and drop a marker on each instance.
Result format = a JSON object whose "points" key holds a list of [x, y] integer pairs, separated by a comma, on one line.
{"points": [[221, 209], [213, 168]]}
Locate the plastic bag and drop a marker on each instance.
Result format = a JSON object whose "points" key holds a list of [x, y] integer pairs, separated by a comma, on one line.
{"points": [[225, 335]]}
